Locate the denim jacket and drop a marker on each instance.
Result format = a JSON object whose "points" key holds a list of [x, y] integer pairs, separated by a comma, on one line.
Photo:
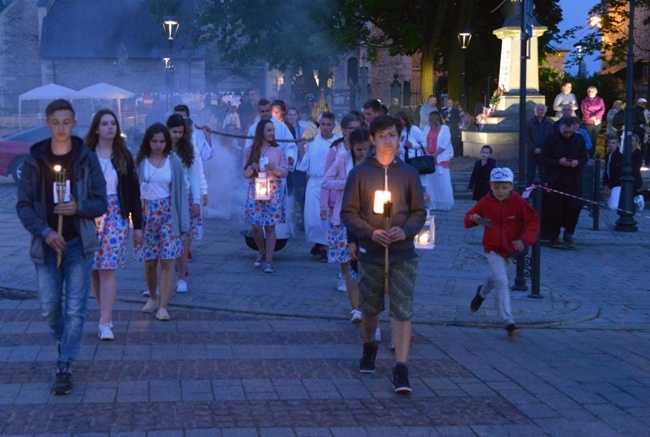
{"points": [[89, 191]]}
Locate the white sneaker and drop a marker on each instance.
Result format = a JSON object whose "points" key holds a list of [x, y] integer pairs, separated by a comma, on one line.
{"points": [[341, 286], [105, 332], [355, 317], [378, 334], [181, 287]]}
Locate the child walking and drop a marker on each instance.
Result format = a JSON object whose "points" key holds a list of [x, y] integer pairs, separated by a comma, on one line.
{"points": [[479, 182], [334, 181], [123, 194], [165, 214], [265, 155], [183, 148], [511, 226]]}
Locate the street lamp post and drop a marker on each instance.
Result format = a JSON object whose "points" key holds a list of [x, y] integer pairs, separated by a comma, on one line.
{"points": [[170, 26], [580, 50], [464, 37], [626, 222]]}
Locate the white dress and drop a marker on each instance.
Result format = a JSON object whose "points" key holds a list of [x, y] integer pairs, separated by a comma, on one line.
{"points": [[439, 183], [313, 162]]}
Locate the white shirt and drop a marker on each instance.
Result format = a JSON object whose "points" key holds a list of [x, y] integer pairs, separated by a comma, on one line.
{"points": [[156, 183], [313, 162], [110, 175]]}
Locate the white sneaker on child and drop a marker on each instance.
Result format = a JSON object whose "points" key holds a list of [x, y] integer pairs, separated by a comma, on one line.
{"points": [[355, 317], [181, 287], [341, 286]]}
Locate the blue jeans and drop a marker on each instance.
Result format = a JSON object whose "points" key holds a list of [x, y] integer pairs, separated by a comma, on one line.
{"points": [[63, 293]]}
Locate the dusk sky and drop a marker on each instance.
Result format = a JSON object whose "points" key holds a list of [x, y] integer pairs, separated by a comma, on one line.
{"points": [[576, 13]]}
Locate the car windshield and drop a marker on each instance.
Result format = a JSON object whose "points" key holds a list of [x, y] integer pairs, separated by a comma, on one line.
{"points": [[40, 133]]}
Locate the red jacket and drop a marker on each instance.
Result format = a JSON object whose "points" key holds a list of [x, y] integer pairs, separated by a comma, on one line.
{"points": [[512, 219]]}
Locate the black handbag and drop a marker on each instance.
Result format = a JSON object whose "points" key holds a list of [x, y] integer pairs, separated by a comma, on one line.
{"points": [[424, 164]]}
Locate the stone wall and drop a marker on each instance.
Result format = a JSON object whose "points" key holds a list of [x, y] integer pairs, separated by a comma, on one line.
{"points": [[20, 68]]}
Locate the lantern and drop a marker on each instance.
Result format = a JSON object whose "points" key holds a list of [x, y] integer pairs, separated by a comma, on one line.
{"points": [[262, 187], [426, 238], [381, 197]]}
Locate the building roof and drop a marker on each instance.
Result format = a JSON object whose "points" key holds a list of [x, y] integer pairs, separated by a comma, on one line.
{"points": [[617, 68], [97, 29]]}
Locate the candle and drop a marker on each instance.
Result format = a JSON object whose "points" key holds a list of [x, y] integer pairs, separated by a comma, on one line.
{"points": [[381, 197], [424, 238]]}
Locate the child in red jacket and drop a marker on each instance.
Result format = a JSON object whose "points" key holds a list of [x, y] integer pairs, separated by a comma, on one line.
{"points": [[511, 226]]}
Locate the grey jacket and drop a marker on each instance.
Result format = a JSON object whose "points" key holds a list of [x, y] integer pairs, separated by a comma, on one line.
{"points": [[408, 211], [180, 206], [89, 190]]}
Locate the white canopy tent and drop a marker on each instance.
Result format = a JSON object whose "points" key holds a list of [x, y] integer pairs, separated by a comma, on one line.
{"points": [[106, 91], [50, 91]]}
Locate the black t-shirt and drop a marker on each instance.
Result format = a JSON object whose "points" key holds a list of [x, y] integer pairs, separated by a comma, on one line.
{"points": [[69, 229]]}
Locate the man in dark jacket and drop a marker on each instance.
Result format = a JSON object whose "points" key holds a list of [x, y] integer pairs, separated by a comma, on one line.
{"points": [[73, 241], [538, 130], [379, 173], [563, 156]]}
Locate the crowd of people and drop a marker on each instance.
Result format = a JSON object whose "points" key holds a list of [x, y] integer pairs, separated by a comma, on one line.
{"points": [[294, 164]]}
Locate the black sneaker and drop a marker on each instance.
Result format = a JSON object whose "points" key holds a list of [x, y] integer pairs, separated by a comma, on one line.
{"points": [[568, 240], [512, 330], [555, 244], [323, 254], [314, 250], [401, 379], [63, 383], [477, 301], [367, 364]]}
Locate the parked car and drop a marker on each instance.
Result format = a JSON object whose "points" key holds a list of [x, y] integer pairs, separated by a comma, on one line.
{"points": [[14, 148]]}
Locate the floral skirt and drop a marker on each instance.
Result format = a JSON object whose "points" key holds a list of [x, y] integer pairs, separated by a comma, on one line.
{"points": [[265, 212], [196, 225], [159, 241], [337, 239], [112, 231]]}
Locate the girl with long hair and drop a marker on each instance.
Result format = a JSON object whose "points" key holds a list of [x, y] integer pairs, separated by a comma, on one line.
{"points": [[267, 156], [337, 246], [123, 195], [342, 246], [166, 216], [183, 148]]}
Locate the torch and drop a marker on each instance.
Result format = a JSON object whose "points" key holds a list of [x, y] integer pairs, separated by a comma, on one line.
{"points": [[60, 191], [388, 206]]}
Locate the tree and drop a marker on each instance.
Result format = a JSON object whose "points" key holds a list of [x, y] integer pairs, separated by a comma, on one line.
{"points": [[608, 32], [431, 26], [306, 34]]}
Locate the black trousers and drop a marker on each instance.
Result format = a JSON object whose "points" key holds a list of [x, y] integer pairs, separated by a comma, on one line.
{"points": [[559, 211]]}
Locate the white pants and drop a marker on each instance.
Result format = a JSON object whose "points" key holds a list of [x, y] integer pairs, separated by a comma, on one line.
{"points": [[498, 281]]}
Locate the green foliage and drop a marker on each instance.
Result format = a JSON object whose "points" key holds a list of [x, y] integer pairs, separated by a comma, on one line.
{"points": [[307, 34], [614, 15]]}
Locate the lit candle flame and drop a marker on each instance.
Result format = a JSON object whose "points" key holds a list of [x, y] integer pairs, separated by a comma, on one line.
{"points": [[57, 168]]}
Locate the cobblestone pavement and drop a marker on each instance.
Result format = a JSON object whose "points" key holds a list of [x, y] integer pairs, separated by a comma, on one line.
{"points": [[254, 354]]}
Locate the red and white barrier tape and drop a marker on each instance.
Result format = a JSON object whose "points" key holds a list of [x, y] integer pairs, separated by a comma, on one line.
{"points": [[527, 191]]}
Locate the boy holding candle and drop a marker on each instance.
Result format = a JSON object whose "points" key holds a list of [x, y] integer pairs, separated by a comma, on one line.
{"points": [[77, 241], [511, 226], [380, 173]]}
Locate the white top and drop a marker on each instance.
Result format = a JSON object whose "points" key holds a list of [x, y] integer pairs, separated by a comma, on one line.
{"points": [[416, 138], [156, 182], [313, 162], [110, 175]]}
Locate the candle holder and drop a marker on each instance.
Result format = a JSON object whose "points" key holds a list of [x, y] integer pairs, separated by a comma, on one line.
{"points": [[60, 196], [426, 238], [262, 187]]}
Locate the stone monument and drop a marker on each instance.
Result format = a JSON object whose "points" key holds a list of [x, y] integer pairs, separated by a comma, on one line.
{"points": [[501, 128]]}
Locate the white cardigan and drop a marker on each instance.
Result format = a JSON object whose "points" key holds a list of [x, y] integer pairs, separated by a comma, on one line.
{"points": [[444, 142]]}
